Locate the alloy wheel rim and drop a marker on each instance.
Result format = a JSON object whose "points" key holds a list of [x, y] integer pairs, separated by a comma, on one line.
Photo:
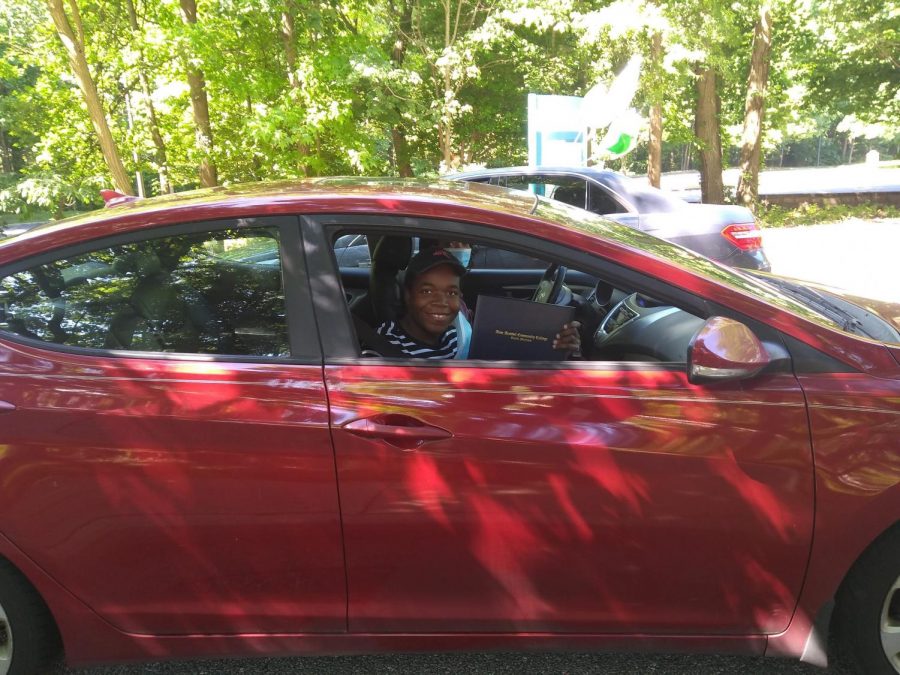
{"points": [[6, 643], [890, 625]]}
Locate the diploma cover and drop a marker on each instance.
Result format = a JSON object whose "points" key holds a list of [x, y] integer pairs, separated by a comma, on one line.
{"points": [[518, 330]]}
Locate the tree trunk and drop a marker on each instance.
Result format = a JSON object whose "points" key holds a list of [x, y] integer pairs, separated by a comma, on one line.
{"points": [[402, 160], [686, 152], [401, 152], [6, 156], [654, 161], [445, 125], [200, 106], [162, 161], [74, 46], [289, 38], [754, 108], [706, 128]]}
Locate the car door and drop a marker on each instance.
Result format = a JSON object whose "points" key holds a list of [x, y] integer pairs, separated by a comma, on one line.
{"points": [[167, 455], [575, 498]]}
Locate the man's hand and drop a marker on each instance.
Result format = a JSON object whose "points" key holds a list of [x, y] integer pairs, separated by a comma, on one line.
{"points": [[568, 338]]}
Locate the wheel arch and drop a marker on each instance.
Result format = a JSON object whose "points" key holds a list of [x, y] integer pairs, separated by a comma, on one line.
{"points": [[811, 630], [865, 602], [49, 627], [85, 637]]}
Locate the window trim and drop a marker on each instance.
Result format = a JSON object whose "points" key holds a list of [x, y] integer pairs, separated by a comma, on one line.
{"points": [[304, 347]]}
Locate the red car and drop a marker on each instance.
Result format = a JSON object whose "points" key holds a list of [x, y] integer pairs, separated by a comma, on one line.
{"points": [[197, 457]]}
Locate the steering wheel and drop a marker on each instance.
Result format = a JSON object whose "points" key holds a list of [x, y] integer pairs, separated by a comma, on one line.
{"points": [[549, 290]]}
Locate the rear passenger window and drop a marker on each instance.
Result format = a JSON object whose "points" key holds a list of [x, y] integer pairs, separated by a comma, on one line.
{"points": [[566, 189], [209, 293], [603, 203]]}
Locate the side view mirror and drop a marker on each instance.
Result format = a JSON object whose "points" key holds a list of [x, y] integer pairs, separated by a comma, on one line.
{"points": [[725, 349]]}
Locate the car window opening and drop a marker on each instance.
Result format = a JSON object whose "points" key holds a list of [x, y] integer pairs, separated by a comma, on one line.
{"points": [[394, 318]]}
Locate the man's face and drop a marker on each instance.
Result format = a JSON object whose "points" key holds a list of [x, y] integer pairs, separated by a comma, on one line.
{"points": [[432, 302]]}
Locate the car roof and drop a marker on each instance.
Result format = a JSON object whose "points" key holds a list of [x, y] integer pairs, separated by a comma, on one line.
{"points": [[466, 202], [293, 190], [314, 194], [605, 175]]}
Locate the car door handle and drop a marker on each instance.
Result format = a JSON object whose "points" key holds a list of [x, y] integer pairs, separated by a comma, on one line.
{"points": [[402, 431], [6, 406]]}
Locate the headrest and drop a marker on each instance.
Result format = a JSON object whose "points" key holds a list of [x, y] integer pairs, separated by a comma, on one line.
{"points": [[392, 252]]}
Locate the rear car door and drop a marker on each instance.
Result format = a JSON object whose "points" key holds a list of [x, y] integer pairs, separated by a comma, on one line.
{"points": [[166, 453], [598, 497]]}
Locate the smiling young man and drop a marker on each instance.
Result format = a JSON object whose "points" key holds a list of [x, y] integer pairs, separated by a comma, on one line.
{"points": [[431, 295], [432, 298]]}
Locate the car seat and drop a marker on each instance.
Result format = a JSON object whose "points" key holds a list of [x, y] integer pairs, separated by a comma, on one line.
{"points": [[390, 257]]}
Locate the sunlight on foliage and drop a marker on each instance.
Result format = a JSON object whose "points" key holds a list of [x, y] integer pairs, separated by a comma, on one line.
{"points": [[413, 87]]}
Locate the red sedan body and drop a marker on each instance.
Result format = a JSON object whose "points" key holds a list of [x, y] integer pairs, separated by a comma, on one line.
{"points": [[175, 505]]}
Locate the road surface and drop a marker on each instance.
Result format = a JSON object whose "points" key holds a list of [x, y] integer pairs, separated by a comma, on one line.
{"points": [[861, 256]]}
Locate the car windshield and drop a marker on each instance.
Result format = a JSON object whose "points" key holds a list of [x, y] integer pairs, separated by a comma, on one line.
{"points": [[850, 316]]}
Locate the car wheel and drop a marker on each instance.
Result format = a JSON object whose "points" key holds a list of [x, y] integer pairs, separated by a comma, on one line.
{"points": [[867, 612], [28, 637]]}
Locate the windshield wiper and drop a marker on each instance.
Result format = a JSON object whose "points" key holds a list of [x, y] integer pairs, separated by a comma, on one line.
{"points": [[834, 312]]}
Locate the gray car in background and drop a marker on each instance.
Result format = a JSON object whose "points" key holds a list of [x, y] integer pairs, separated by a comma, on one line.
{"points": [[725, 233]]}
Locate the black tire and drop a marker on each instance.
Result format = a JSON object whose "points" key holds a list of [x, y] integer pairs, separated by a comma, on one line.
{"points": [[28, 635], [868, 606]]}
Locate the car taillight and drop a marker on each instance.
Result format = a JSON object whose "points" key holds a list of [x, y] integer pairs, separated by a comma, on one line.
{"points": [[746, 236]]}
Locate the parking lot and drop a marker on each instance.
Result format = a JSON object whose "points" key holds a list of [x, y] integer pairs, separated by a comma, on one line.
{"points": [[858, 255]]}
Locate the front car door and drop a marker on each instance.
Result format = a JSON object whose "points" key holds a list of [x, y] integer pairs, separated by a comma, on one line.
{"points": [[592, 497], [169, 459]]}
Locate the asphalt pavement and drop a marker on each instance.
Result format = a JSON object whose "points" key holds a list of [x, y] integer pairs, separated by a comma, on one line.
{"points": [[861, 256], [850, 178], [482, 664]]}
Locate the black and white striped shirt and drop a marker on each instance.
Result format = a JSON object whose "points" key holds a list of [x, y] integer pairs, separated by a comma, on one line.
{"points": [[398, 337]]}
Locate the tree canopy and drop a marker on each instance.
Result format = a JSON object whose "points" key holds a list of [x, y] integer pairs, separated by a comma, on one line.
{"points": [[199, 92]]}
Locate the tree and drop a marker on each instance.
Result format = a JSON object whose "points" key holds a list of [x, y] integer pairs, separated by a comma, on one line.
{"points": [[73, 41], [855, 67], [162, 161], [401, 34], [654, 160], [199, 103], [712, 36], [408, 87], [453, 67], [289, 37], [757, 80], [707, 129]]}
